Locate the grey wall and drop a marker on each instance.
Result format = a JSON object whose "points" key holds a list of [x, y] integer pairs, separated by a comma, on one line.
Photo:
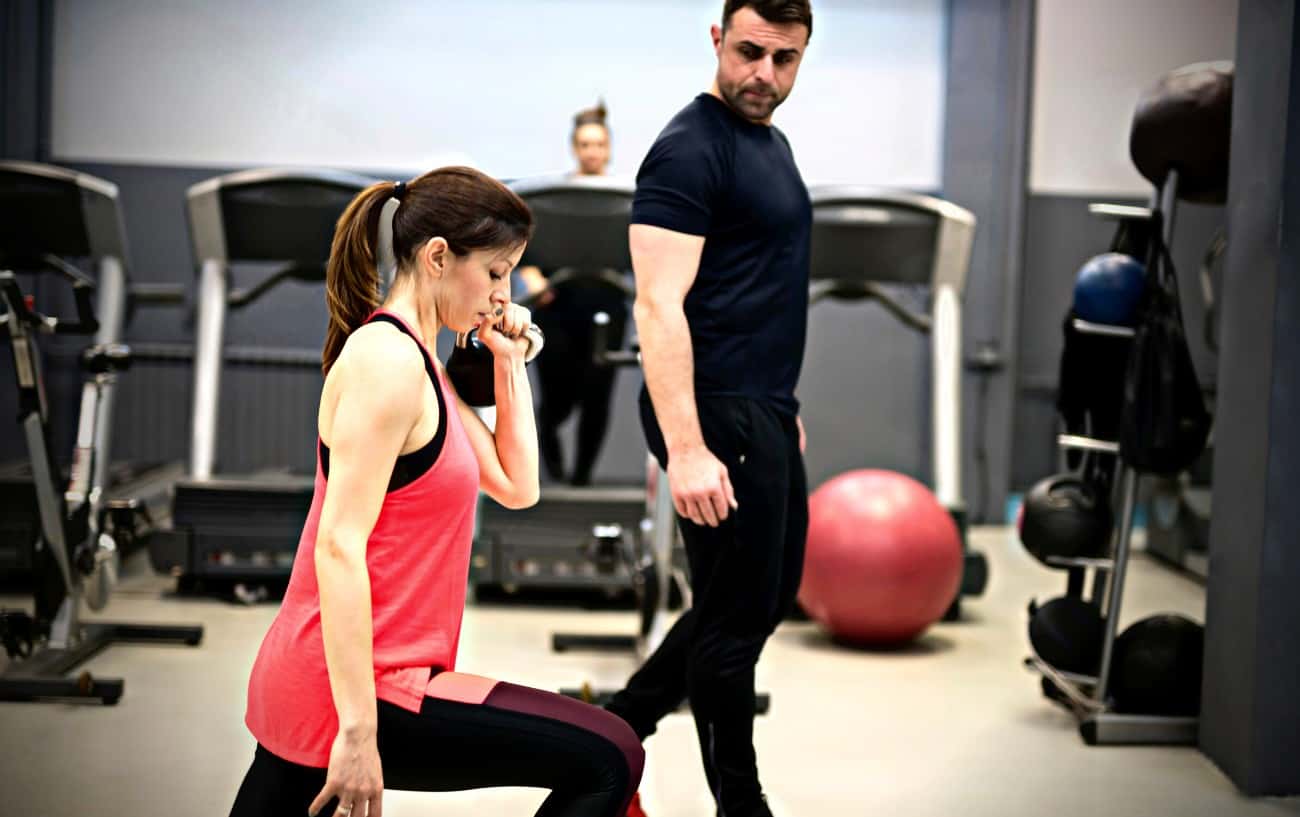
{"points": [[864, 393], [25, 37], [1250, 720], [24, 134], [989, 51]]}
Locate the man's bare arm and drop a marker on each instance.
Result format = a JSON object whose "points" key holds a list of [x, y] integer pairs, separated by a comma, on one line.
{"points": [[666, 263]]}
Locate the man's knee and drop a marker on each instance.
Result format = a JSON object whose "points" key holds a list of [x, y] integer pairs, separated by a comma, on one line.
{"points": [[720, 660]]}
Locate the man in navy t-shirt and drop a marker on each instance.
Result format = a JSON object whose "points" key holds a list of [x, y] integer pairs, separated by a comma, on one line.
{"points": [[719, 239]]}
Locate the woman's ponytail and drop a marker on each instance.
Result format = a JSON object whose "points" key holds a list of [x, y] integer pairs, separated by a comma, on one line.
{"points": [[351, 277]]}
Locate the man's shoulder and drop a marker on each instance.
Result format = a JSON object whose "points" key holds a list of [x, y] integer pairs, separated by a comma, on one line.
{"points": [[699, 123], [784, 139]]}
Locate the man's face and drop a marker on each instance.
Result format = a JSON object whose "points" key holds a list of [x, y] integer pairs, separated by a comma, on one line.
{"points": [[758, 62]]}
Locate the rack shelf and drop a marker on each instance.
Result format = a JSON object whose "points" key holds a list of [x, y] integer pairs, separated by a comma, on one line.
{"points": [[1109, 330], [1081, 443], [1120, 211], [1077, 689], [1038, 665], [1093, 563]]}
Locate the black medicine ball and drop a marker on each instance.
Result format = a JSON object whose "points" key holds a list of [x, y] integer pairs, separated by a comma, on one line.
{"points": [[1184, 123], [1156, 667], [1066, 517], [1067, 633]]}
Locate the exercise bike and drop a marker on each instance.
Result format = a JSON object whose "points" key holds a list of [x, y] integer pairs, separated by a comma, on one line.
{"points": [[81, 536]]}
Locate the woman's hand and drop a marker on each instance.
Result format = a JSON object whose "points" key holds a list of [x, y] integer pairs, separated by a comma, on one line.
{"points": [[355, 777], [504, 336]]}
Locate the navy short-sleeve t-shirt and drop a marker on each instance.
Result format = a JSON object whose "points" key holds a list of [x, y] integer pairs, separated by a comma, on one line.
{"points": [[715, 174]]}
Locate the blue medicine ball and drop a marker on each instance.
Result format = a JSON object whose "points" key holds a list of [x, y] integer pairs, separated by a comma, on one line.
{"points": [[1109, 288]]}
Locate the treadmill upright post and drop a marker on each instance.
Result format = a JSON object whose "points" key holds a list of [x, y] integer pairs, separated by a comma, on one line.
{"points": [[207, 367]]}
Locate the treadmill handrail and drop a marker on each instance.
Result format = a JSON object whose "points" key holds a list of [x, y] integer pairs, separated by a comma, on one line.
{"points": [[826, 288], [613, 278], [244, 178], [82, 289], [537, 185], [243, 297], [602, 355], [867, 195], [83, 180]]}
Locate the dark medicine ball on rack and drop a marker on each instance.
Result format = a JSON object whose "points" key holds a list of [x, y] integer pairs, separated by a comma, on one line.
{"points": [[1156, 667], [1066, 517], [1184, 123], [1067, 633]]}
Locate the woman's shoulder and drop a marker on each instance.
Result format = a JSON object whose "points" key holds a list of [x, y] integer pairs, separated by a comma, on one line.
{"points": [[380, 349]]}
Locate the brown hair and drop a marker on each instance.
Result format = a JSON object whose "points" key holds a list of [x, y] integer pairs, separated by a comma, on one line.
{"points": [[774, 11], [591, 116], [470, 210]]}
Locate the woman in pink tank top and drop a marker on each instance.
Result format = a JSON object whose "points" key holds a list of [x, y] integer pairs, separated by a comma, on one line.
{"points": [[355, 687]]}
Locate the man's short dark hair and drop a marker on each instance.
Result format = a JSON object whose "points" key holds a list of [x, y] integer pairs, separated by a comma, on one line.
{"points": [[774, 11]]}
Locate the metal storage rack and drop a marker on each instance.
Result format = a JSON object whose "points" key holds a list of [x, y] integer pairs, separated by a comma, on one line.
{"points": [[1085, 695]]}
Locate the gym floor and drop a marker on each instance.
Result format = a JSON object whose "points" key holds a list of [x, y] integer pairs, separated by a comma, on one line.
{"points": [[952, 725]]}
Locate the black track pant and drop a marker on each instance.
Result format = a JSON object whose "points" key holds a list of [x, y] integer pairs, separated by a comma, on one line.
{"points": [[744, 578], [518, 736]]}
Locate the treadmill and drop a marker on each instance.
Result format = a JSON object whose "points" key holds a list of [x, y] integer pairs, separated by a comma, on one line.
{"points": [[51, 217], [570, 540], [245, 527], [866, 240]]}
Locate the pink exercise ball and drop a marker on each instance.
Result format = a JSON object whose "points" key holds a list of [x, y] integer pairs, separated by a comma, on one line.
{"points": [[884, 558]]}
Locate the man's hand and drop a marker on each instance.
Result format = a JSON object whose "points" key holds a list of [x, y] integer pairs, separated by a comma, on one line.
{"points": [[700, 485], [803, 436]]}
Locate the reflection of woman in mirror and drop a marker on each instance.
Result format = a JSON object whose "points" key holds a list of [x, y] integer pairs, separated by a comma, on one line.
{"points": [[566, 376]]}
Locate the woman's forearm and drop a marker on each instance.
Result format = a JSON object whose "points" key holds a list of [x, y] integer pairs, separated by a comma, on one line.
{"points": [[516, 429], [348, 632]]}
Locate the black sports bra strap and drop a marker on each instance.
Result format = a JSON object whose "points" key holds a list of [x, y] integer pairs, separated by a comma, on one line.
{"points": [[409, 467], [428, 361]]}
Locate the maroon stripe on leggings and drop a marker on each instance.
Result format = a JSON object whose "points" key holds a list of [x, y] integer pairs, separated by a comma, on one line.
{"points": [[584, 716]]}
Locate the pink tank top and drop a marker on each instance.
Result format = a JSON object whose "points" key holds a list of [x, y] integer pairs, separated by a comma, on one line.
{"points": [[418, 560]]}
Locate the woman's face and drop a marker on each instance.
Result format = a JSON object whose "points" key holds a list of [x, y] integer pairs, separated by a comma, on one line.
{"points": [[591, 147], [479, 285]]}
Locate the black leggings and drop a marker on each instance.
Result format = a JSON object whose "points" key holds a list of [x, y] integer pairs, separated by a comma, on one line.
{"points": [[590, 760], [568, 379]]}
